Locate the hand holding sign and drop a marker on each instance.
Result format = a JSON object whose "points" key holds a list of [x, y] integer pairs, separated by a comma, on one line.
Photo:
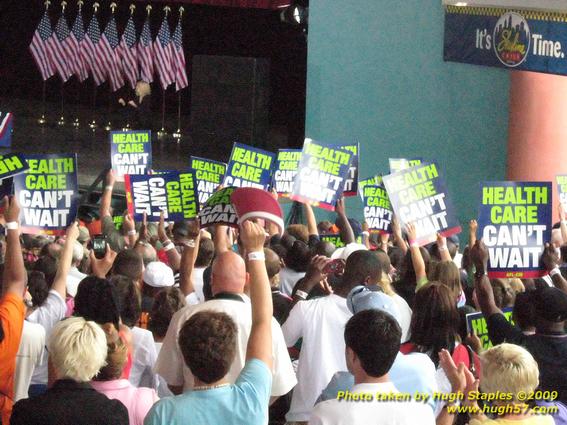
{"points": [[479, 256], [72, 231], [549, 258], [11, 209], [252, 236]]}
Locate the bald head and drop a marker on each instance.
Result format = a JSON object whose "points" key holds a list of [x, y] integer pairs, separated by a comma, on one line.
{"points": [[229, 273]]}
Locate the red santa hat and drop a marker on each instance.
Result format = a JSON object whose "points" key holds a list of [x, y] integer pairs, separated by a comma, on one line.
{"points": [[249, 203]]}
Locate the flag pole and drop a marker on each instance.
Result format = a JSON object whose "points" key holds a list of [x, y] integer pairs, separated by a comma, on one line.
{"points": [[108, 125], [42, 120], [177, 133], [61, 120], [76, 123], [162, 134], [93, 124]]}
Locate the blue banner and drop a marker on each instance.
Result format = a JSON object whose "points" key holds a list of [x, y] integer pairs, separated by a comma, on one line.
{"points": [[514, 220], [208, 174], [516, 39], [322, 174], [351, 180], [48, 193], [249, 167], [131, 152], [377, 207], [419, 195], [171, 192], [6, 124], [287, 164]]}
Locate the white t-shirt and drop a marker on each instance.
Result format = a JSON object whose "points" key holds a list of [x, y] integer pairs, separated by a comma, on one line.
{"points": [[198, 283], [74, 277], [143, 359], [171, 366], [30, 355], [321, 323], [288, 279], [335, 412], [47, 315], [404, 317]]}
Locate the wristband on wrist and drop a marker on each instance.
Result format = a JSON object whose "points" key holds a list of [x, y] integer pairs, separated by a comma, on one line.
{"points": [[366, 233], [554, 271], [168, 246], [301, 294], [12, 225], [442, 247], [189, 243], [256, 256], [131, 232], [109, 187], [413, 243], [563, 221]]}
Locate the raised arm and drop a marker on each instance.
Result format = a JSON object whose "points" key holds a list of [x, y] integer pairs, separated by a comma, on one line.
{"points": [[60, 281], [347, 235], [260, 340], [14, 271], [172, 255], [416, 257], [105, 200], [310, 217], [221, 238], [130, 228], [563, 223], [190, 252], [442, 247], [550, 261], [483, 289], [473, 226], [397, 233]]}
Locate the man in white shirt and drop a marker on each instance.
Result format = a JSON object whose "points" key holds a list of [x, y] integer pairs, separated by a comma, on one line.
{"points": [[320, 322], [30, 354], [372, 339], [228, 280]]}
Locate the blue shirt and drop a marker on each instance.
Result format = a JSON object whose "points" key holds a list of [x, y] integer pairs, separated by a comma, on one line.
{"points": [[410, 373], [244, 403]]}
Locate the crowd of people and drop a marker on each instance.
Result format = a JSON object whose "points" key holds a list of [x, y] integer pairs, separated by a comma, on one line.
{"points": [[175, 324]]}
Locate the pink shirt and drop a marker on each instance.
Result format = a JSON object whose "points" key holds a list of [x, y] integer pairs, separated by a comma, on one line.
{"points": [[138, 401]]}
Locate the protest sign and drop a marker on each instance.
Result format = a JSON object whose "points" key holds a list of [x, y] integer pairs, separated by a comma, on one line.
{"points": [[47, 192], [336, 240], [131, 152], [322, 174], [419, 195], [287, 163], [171, 192], [398, 164], [249, 167], [351, 181], [476, 323], [12, 164], [562, 188], [6, 124], [218, 209], [208, 175], [514, 221], [377, 208]]}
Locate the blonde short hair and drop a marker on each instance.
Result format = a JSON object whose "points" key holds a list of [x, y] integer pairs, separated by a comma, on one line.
{"points": [[77, 349], [508, 368]]}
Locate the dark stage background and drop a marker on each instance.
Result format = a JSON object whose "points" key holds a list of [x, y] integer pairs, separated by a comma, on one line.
{"points": [[207, 30]]}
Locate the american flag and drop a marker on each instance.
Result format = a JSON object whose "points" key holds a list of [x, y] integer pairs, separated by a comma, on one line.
{"points": [[61, 51], [145, 56], [129, 53], [39, 47], [90, 53], [107, 48], [178, 62], [162, 55], [77, 37]]}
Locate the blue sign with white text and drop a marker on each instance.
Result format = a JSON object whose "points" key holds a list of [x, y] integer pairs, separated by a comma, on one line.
{"points": [[249, 167]]}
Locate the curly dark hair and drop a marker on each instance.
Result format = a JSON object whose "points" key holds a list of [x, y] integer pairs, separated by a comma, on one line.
{"points": [[208, 344], [97, 300], [166, 303], [37, 287]]}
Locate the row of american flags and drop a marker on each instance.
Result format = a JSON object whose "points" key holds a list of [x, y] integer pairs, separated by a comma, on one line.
{"points": [[69, 52]]}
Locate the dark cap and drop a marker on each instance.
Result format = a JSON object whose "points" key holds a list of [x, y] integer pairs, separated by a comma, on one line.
{"points": [[550, 304]]}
